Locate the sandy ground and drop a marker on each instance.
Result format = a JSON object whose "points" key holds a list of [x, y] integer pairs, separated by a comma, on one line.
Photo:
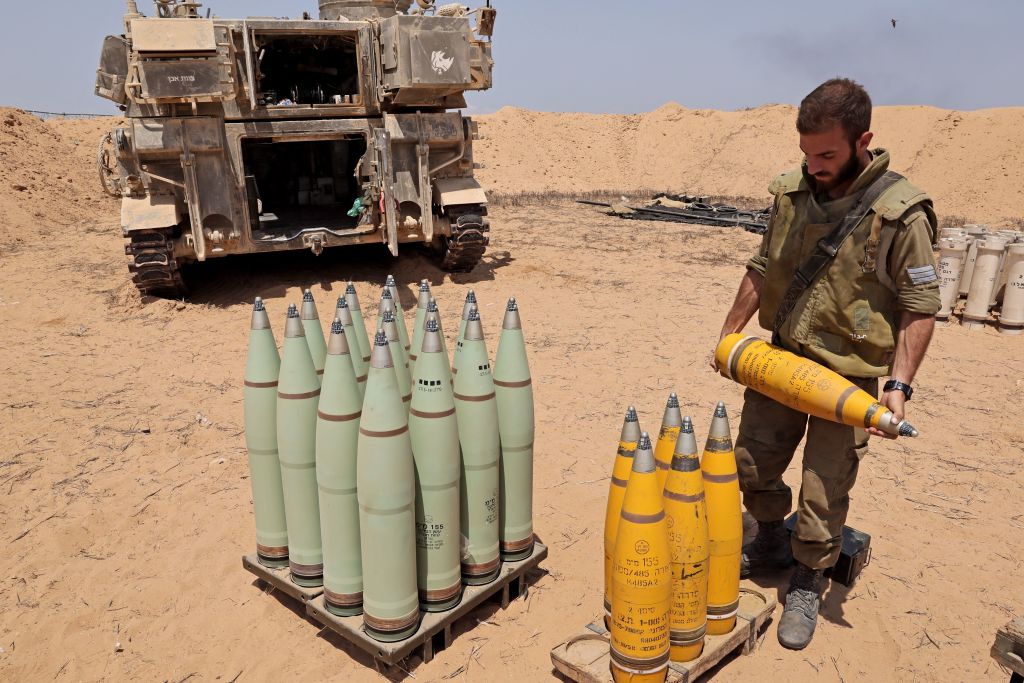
{"points": [[126, 502]]}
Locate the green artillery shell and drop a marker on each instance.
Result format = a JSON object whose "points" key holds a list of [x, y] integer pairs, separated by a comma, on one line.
{"points": [[435, 448], [344, 314], [422, 303], [466, 308], [261, 371], [337, 435], [477, 415], [298, 393], [387, 494], [314, 332], [514, 395], [403, 332], [433, 314], [390, 329], [358, 324]]}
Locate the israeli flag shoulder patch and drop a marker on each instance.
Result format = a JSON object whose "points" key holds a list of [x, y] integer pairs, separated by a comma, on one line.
{"points": [[922, 275]]}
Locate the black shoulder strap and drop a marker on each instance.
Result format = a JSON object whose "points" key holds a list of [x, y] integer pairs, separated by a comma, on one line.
{"points": [[828, 247]]}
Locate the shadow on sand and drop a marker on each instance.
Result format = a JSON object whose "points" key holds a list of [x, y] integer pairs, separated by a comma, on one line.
{"points": [[236, 280]]}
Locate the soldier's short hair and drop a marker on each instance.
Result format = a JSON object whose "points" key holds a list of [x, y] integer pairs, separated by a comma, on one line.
{"points": [[837, 100]]}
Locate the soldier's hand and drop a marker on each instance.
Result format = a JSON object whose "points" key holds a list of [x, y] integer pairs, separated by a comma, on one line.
{"points": [[896, 402]]}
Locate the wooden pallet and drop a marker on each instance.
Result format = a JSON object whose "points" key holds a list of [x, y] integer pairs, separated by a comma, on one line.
{"points": [[435, 630], [584, 658], [1008, 649], [279, 579]]}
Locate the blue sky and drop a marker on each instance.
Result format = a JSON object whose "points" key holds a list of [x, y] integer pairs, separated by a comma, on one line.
{"points": [[627, 56]]}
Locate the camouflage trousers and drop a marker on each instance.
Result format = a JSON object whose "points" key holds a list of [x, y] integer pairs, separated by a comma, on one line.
{"points": [[768, 438]]}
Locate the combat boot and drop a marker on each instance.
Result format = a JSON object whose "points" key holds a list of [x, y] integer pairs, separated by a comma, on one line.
{"points": [[800, 616], [769, 551]]}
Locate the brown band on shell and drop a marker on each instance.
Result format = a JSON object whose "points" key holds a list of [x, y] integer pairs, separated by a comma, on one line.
{"points": [[338, 418], [306, 570], [441, 594], [343, 599], [723, 610], [684, 498], [382, 435], [272, 551], [391, 625], [841, 403], [481, 569], [429, 416], [513, 385], [517, 546], [643, 519], [298, 397], [485, 397]]}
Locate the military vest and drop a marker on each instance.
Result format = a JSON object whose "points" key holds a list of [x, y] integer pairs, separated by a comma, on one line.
{"points": [[847, 318]]}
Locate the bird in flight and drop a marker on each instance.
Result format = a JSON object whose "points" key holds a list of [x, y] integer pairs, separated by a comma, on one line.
{"points": [[893, 22]]}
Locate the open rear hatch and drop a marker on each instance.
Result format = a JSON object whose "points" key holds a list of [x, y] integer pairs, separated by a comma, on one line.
{"points": [[293, 186]]}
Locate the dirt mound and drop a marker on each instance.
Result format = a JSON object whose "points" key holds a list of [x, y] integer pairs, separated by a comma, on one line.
{"points": [[47, 174], [968, 161]]}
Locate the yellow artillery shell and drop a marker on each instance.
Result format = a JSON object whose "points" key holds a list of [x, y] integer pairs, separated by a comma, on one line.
{"points": [[616, 490], [667, 436], [687, 518], [641, 578], [725, 524], [804, 385]]}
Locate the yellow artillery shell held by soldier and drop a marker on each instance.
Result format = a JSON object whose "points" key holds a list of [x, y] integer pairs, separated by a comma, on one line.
{"points": [[725, 524], [804, 385], [687, 518], [616, 490], [641, 578], [667, 436]]}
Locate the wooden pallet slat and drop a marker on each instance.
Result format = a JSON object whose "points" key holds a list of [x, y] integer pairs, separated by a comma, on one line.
{"points": [[279, 579], [1008, 648], [584, 658], [435, 630]]}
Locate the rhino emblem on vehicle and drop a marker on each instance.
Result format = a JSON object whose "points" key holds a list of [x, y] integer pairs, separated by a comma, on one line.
{"points": [[440, 62]]}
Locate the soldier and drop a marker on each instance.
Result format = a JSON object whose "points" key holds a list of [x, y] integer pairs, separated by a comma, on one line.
{"points": [[845, 276]]}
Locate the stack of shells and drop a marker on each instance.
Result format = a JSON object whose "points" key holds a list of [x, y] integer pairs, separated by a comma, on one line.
{"points": [[672, 543], [986, 268], [378, 470]]}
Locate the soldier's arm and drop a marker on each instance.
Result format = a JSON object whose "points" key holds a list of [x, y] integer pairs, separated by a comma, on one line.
{"points": [[911, 266], [747, 301], [748, 298]]}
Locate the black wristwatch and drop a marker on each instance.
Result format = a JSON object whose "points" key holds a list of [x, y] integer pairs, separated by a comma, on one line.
{"points": [[896, 385]]}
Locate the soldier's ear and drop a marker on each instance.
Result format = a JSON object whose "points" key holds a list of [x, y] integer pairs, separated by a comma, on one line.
{"points": [[863, 141]]}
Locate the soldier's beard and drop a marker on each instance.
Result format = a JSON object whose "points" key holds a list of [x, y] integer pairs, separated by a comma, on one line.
{"points": [[849, 171]]}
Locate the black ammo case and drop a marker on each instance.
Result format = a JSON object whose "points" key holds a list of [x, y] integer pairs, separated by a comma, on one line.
{"points": [[854, 555]]}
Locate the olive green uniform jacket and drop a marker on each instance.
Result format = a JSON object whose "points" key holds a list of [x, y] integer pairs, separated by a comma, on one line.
{"points": [[848, 318]]}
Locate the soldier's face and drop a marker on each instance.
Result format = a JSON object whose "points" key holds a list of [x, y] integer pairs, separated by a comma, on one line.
{"points": [[832, 159]]}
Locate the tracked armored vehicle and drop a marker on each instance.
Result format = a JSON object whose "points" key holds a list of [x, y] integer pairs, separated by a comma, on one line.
{"points": [[263, 134]]}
